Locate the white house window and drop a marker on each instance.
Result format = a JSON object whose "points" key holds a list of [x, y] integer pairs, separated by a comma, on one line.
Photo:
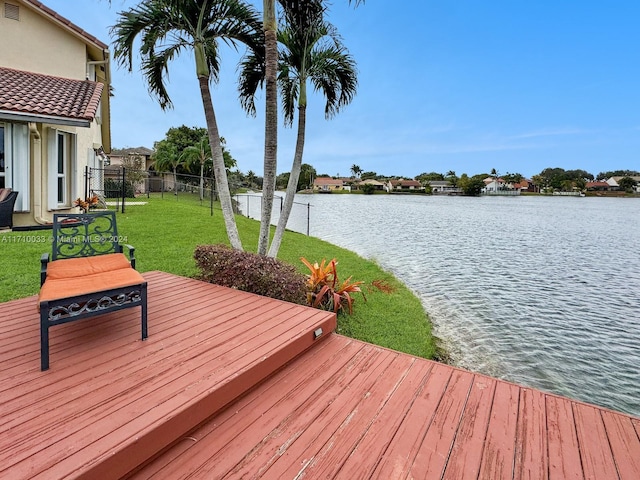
{"points": [[61, 168], [14, 162]]}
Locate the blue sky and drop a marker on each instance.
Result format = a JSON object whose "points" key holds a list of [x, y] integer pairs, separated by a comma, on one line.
{"points": [[465, 85]]}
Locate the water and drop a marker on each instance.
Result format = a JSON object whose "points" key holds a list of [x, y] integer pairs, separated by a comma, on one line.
{"points": [[540, 291]]}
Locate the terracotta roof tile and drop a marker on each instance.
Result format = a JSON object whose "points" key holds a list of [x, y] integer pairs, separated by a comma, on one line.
{"points": [[37, 94]]}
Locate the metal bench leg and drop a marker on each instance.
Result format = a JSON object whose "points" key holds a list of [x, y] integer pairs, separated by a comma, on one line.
{"points": [[143, 295], [44, 336]]}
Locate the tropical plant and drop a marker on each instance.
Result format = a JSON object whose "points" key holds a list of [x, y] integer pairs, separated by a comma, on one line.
{"points": [[311, 50], [300, 8], [356, 170], [627, 184], [198, 156], [166, 159], [325, 291], [168, 27]]}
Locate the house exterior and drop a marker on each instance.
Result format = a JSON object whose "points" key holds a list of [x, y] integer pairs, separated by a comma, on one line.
{"points": [[377, 185], [54, 108], [613, 183], [526, 185], [327, 184], [443, 187], [139, 158], [597, 186], [394, 186]]}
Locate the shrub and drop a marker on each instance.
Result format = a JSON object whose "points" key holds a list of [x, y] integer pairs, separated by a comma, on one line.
{"points": [[113, 189], [325, 291], [251, 273]]}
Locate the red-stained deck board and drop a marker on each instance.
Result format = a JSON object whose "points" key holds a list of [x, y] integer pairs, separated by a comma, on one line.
{"points": [[499, 450], [625, 443], [356, 437], [597, 459], [253, 412], [403, 447], [110, 402], [316, 419], [365, 455], [433, 453], [564, 450], [531, 438], [466, 454]]}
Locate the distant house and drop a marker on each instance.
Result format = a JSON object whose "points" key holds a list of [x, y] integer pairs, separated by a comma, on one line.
{"points": [[54, 108], [443, 187], [327, 184], [377, 185], [492, 184], [526, 185], [403, 185], [597, 186], [614, 185], [142, 156]]}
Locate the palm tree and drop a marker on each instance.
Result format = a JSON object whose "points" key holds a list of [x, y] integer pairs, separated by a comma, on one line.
{"points": [[167, 159], [271, 104], [168, 27], [356, 170], [198, 155], [311, 51]]}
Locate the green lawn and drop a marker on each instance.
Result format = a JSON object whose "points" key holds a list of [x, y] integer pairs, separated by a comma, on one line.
{"points": [[165, 233]]}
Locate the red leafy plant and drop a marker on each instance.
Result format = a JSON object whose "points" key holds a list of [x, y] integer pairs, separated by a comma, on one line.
{"points": [[87, 204], [325, 291]]}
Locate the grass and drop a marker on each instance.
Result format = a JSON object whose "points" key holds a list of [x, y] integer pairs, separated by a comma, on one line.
{"points": [[166, 231]]}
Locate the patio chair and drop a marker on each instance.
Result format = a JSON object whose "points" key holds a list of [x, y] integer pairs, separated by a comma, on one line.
{"points": [[7, 202], [87, 274]]}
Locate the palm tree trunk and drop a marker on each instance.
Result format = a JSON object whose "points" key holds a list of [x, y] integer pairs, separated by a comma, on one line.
{"points": [[201, 181], [271, 124], [292, 186], [222, 184]]}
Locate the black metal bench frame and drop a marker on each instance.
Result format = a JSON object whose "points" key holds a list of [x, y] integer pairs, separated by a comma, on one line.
{"points": [[77, 235]]}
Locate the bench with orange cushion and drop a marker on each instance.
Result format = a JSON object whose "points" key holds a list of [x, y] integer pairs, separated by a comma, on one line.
{"points": [[89, 275]]}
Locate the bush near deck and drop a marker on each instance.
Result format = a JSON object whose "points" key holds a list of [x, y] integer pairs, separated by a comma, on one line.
{"points": [[166, 232]]}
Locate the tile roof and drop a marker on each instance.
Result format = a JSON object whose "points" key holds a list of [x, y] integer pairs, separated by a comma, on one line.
{"points": [[34, 94], [327, 181]]}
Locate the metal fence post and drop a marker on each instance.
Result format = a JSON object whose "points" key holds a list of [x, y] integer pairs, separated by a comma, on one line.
{"points": [[308, 217], [123, 189]]}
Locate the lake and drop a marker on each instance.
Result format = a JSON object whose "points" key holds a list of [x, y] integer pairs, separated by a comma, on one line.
{"points": [[541, 291]]}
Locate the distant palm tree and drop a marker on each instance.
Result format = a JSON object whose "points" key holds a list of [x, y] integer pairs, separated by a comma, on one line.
{"points": [[198, 156], [311, 51], [168, 27], [166, 159], [356, 170]]}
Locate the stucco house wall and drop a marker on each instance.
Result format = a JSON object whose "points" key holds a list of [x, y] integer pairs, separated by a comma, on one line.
{"points": [[44, 43]]}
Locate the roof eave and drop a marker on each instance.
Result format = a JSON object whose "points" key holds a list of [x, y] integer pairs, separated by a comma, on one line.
{"points": [[38, 118]]}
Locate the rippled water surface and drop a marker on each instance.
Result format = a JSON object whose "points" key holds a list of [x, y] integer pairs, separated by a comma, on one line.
{"points": [[541, 291]]}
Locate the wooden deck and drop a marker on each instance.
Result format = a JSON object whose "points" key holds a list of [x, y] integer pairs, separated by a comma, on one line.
{"points": [[271, 402], [109, 401]]}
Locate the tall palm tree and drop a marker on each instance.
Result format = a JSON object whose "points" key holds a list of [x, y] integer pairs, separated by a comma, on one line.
{"points": [[167, 28], [198, 156], [271, 105]]}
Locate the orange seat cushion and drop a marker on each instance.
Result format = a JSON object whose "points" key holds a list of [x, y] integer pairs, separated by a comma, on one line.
{"points": [[84, 266], [55, 289]]}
